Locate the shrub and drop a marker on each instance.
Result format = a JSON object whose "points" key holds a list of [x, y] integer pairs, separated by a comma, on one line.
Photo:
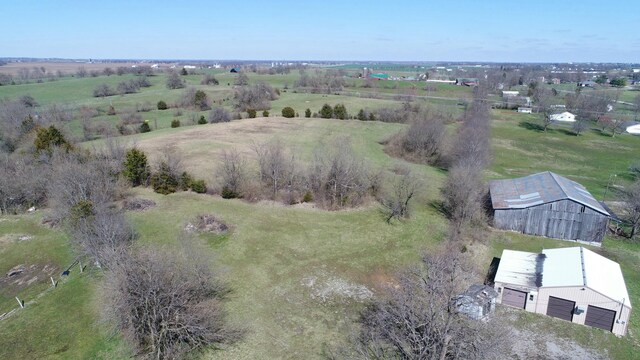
{"points": [[47, 138], [164, 182], [209, 80], [199, 186], [219, 115], [252, 113], [144, 127], [340, 112], [227, 193], [326, 112], [103, 90], [288, 112], [265, 113], [202, 120], [175, 123], [136, 168], [111, 110], [162, 105], [307, 113], [308, 197]]}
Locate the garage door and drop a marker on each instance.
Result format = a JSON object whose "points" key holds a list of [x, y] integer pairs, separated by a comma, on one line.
{"points": [[514, 298], [560, 308], [600, 318]]}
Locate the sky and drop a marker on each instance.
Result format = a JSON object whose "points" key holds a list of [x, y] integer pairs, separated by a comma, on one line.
{"points": [[402, 30]]}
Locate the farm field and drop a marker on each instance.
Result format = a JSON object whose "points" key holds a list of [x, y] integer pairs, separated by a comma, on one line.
{"points": [[298, 274]]}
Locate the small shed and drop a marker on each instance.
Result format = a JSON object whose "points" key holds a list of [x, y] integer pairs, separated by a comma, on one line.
{"points": [[234, 70], [524, 110], [573, 284], [547, 204], [563, 117], [477, 301]]}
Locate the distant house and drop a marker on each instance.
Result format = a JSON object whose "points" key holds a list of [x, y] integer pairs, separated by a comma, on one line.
{"points": [[572, 284], [634, 129], [558, 106], [563, 117], [555, 81], [547, 204], [467, 81], [525, 110], [587, 83], [508, 94], [477, 301]]}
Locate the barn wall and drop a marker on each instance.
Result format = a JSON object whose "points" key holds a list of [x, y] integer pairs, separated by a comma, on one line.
{"points": [[583, 298], [564, 219]]}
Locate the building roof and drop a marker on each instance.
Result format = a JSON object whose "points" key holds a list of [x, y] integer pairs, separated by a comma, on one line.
{"points": [[540, 188], [519, 268], [634, 129], [563, 267]]}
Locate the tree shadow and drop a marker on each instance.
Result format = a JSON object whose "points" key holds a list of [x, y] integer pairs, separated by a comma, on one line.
{"points": [[566, 132], [531, 126], [601, 132], [439, 207]]}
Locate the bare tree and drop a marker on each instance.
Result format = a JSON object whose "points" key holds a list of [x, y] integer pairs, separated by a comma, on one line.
{"points": [[174, 81], [242, 79], [463, 195], [471, 144], [102, 234], [22, 184], [276, 167], [425, 138], [218, 115], [233, 173], [256, 97], [167, 303], [579, 126], [338, 176], [632, 207], [418, 319], [404, 188]]}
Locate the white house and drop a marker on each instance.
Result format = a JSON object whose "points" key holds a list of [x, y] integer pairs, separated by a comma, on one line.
{"points": [[524, 110], [572, 284], [510, 93], [634, 129], [563, 117]]}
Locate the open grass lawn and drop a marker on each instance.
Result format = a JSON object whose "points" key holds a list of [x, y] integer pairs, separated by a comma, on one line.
{"points": [[520, 147]]}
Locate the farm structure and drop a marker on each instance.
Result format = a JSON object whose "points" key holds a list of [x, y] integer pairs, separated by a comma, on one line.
{"points": [[547, 204], [477, 302], [563, 117], [573, 284]]}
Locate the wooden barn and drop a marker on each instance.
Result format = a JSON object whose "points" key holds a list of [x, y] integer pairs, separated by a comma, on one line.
{"points": [[547, 204], [573, 284]]}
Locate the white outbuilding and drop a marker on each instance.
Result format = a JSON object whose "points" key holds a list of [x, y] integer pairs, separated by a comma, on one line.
{"points": [[634, 129], [574, 284], [563, 117]]}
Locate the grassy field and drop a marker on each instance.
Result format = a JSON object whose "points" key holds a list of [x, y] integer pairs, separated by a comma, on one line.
{"points": [[298, 274]]}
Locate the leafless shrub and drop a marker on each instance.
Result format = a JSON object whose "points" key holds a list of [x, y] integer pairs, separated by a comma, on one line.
{"points": [[404, 188], [338, 177], [209, 80], [232, 173], [22, 184], [417, 317], [130, 117], [471, 144], [174, 81], [102, 234], [12, 117], [138, 204], [167, 303], [425, 139], [80, 179], [103, 90], [277, 168], [218, 115], [256, 97]]}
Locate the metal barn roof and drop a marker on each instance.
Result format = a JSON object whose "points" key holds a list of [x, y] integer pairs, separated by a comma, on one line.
{"points": [[540, 188], [563, 267]]}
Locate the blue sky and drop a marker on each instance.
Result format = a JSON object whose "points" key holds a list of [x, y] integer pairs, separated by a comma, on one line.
{"points": [[463, 30]]}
